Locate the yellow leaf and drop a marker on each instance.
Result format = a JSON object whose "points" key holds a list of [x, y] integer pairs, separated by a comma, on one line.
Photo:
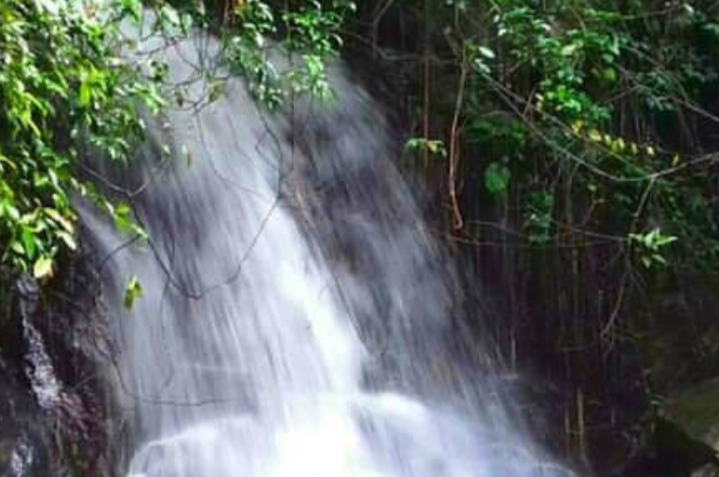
{"points": [[64, 222], [42, 267], [68, 239]]}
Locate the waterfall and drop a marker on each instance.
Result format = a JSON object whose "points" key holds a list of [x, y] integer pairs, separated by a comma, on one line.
{"points": [[296, 318]]}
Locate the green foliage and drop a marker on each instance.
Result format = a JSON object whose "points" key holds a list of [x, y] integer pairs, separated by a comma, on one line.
{"points": [[433, 147], [651, 246], [308, 35], [65, 92], [62, 90], [496, 178], [592, 109], [133, 291]]}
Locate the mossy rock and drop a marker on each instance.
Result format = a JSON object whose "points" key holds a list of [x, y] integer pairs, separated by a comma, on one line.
{"points": [[696, 411], [709, 470]]}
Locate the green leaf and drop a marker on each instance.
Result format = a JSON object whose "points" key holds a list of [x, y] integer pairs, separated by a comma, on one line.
{"points": [[68, 239], [568, 50], [84, 95], [17, 247], [609, 75], [496, 178], [486, 52], [132, 8], [42, 267], [433, 146], [29, 242], [595, 136], [133, 291], [58, 218], [662, 240]]}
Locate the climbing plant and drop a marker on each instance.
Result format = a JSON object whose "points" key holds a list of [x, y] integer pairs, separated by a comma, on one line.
{"points": [[594, 90], [281, 48], [573, 146], [63, 91], [67, 91], [587, 116]]}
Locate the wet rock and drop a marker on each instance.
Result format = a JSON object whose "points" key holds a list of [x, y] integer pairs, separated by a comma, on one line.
{"points": [[684, 346], [709, 470], [23, 456], [52, 404], [677, 453], [686, 432], [21, 442], [38, 368], [695, 410]]}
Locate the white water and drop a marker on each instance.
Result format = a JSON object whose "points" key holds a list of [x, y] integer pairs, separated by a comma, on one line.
{"points": [[295, 319]]}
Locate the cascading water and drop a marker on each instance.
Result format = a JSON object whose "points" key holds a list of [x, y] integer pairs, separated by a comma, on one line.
{"points": [[295, 319]]}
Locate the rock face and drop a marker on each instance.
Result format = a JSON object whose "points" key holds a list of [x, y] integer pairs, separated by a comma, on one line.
{"points": [[52, 411], [22, 452], [682, 357], [696, 410], [694, 415]]}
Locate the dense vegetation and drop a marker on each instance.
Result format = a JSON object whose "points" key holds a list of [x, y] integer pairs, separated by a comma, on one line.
{"points": [[571, 145], [573, 150], [63, 90], [590, 121], [68, 92]]}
